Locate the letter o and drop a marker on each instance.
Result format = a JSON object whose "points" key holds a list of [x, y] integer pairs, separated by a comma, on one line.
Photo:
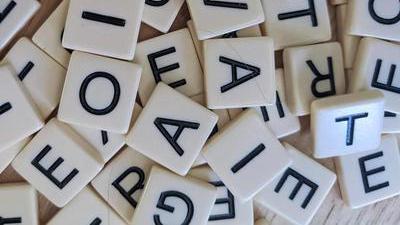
{"points": [[380, 19]]}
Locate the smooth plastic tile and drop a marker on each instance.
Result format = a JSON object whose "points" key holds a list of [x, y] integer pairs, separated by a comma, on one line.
{"points": [[245, 68], [19, 204], [122, 181], [172, 199], [103, 27], [212, 18], [246, 146], [42, 77], [312, 72], [172, 129], [369, 177], [391, 123], [298, 192], [99, 92], [8, 155], [161, 14], [347, 124], [58, 163], [170, 58]]}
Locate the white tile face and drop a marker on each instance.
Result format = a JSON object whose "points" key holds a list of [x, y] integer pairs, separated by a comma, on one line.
{"points": [[256, 150], [172, 129], [391, 122], [349, 42], [238, 14], [347, 124], [278, 116], [172, 199], [170, 58], [312, 72], [19, 204], [91, 23], [19, 117], [8, 155], [161, 14], [42, 77], [122, 181], [50, 163], [49, 36], [99, 92], [296, 23], [227, 209], [369, 177], [253, 31], [14, 14], [376, 67], [373, 18], [245, 69], [86, 208], [297, 193]]}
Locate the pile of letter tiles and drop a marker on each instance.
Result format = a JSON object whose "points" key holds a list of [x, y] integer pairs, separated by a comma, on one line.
{"points": [[198, 125]]}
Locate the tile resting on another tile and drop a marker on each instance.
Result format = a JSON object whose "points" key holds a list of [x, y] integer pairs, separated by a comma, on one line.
{"points": [[8, 155], [161, 14]]}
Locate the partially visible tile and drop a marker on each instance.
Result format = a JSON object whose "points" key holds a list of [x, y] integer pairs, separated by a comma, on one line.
{"points": [[160, 14], [391, 123], [170, 58], [297, 193], [122, 181], [246, 146], [42, 77], [19, 204], [227, 209], [369, 177], [14, 15], [19, 117], [347, 124], [103, 27], [245, 68], [294, 23], [58, 163], [312, 72], [172, 199], [172, 129], [8, 155], [86, 208], [49, 36], [207, 14]]}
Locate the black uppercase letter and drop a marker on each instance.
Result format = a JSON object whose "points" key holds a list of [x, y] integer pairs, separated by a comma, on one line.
{"points": [[279, 108], [103, 18], [234, 5], [160, 122], [157, 72], [49, 172], [104, 137], [7, 10], [27, 68], [379, 19], [301, 181], [174, 194], [350, 119], [5, 107], [305, 12], [322, 77], [14, 220], [255, 71], [389, 114], [85, 85], [156, 3], [138, 186], [388, 86], [96, 221], [365, 173], [229, 200], [243, 162]]}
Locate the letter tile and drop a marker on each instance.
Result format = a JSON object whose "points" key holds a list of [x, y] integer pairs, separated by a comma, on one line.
{"points": [[312, 72], [246, 146], [170, 58], [245, 68], [160, 14], [19, 204], [91, 24], [297, 193], [58, 163], [8, 155], [86, 208], [391, 123], [369, 177], [239, 14], [347, 124], [99, 92], [172, 199], [172, 129], [122, 181]]}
